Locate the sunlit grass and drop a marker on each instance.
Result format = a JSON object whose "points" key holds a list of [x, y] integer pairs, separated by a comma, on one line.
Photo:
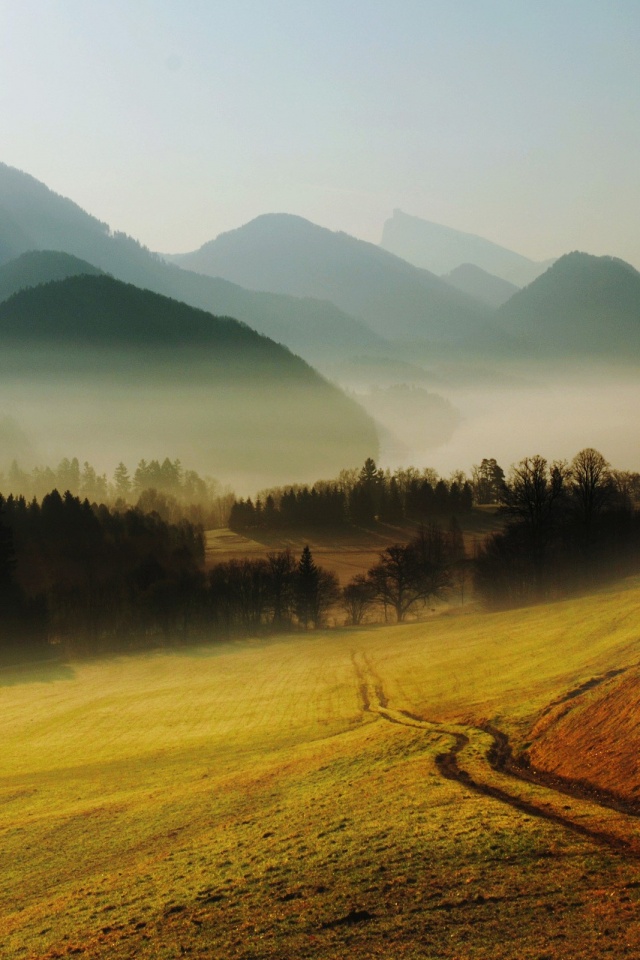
{"points": [[236, 801]]}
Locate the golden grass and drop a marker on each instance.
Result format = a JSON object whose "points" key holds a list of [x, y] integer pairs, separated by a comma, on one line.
{"points": [[239, 801], [504, 666]]}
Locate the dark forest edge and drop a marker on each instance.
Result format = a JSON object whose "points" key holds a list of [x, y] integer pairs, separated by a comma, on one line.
{"points": [[82, 577]]}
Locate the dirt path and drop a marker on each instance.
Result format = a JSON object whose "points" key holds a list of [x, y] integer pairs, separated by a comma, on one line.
{"points": [[480, 758]]}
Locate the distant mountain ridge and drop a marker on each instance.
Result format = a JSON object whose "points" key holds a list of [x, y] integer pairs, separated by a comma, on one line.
{"points": [[582, 306], [441, 249], [32, 217], [379, 296], [287, 254], [22, 199], [476, 282]]}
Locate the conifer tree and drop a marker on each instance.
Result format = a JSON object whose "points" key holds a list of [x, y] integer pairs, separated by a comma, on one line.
{"points": [[122, 481], [306, 588]]}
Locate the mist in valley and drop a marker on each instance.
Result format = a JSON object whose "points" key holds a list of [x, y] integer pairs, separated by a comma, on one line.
{"points": [[214, 431], [555, 419], [506, 414], [452, 416]]}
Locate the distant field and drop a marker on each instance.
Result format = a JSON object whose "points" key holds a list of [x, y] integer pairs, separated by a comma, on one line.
{"points": [[345, 552], [326, 796]]}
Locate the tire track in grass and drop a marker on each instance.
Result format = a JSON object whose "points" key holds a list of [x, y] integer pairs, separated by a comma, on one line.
{"points": [[501, 758], [375, 701], [447, 764]]}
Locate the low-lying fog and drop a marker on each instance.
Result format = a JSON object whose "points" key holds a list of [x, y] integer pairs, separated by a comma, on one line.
{"points": [[449, 426], [509, 416], [555, 420]]}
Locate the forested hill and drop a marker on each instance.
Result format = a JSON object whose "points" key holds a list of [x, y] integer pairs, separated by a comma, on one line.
{"points": [[582, 305], [40, 266], [131, 367], [32, 217], [101, 311], [288, 254]]}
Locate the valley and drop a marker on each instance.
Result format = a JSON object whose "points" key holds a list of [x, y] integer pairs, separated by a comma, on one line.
{"points": [[319, 481], [446, 367]]}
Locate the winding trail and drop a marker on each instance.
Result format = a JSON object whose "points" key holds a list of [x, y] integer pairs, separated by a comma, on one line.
{"points": [[489, 768]]}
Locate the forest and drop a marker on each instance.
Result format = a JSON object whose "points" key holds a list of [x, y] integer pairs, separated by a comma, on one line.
{"points": [[164, 487], [361, 497], [87, 574]]}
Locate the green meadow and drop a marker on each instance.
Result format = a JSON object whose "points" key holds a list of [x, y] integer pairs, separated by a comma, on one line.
{"points": [[318, 795]]}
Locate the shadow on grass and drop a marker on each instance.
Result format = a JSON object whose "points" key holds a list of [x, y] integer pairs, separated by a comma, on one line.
{"points": [[45, 670]]}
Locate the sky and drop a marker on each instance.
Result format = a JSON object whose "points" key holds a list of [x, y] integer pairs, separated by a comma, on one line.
{"points": [[174, 121]]}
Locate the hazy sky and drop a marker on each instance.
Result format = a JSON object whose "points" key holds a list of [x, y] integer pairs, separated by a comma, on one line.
{"points": [[515, 119]]}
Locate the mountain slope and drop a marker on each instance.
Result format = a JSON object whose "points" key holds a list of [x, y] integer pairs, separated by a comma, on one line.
{"points": [[92, 360], [582, 305], [288, 254], [476, 282], [40, 266], [32, 217], [441, 249]]}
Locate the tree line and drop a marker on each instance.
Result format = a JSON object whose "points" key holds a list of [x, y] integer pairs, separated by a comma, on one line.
{"points": [[81, 575], [166, 487], [85, 576], [357, 498], [568, 525]]}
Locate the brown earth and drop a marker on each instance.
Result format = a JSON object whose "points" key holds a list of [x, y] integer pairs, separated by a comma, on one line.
{"points": [[593, 736], [346, 552]]}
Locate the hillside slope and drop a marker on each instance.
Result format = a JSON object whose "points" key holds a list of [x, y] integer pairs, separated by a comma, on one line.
{"points": [[581, 306], [284, 798], [103, 365], [282, 253], [593, 736]]}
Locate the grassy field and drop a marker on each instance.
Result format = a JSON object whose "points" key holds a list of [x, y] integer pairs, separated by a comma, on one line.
{"points": [[346, 552], [327, 795]]}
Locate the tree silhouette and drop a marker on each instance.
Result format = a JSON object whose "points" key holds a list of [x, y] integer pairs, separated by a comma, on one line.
{"points": [[122, 481], [357, 598], [315, 590], [591, 489], [533, 496], [306, 588], [412, 573], [281, 570], [7, 551], [488, 481]]}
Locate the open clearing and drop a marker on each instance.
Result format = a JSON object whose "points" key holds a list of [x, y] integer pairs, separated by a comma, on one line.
{"points": [[346, 552], [331, 795]]}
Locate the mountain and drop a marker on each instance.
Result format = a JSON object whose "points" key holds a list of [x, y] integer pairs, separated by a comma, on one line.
{"points": [[288, 254], [13, 240], [40, 266], [32, 217], [583, 306], [441, 249], [475, 282], [96, 363]]}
